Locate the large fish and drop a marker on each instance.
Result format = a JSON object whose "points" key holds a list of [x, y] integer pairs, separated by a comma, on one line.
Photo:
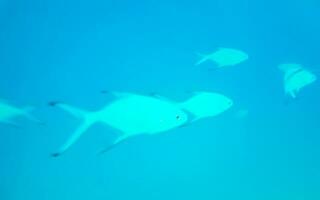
{"points": [[9, 112], [224, 57], [296, 77], [131, 114], [206, 104]]}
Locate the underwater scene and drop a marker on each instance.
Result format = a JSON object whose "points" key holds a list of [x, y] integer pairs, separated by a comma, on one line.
{"points": [[159, 100]]}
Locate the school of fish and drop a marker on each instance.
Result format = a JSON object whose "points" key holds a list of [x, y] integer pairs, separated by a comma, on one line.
{"points": [[134, 114]]}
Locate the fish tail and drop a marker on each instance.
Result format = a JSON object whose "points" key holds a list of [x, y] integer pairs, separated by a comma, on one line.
{"points": [[88, 120], [27, 113]]}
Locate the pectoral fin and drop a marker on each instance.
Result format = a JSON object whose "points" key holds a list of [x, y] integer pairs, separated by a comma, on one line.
{"points": [[293, 94], [117, 142], [203, 58]]}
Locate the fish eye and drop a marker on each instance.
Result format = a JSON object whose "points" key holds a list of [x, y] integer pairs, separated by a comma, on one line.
{"points": [[178, 117]]}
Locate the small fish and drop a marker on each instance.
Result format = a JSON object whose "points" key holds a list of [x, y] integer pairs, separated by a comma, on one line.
{"points": [[224, 57], [206, 104], [131, 114], [296, 77], [8, 112]]}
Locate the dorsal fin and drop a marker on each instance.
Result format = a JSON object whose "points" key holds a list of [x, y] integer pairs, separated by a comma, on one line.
{"points": [[117, 94], [155, 95], [122, 94], [289, 67]]}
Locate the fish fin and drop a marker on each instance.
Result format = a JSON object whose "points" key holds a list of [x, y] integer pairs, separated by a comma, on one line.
{"points": [[76, 112], [73, 138], [105, 92], [88, 121], [220, 64], [53, 103], [191, 116], [27, 113], [117, 142], [34, 119], [157, 96], [203, 58], [289, 66], [122, 94], [293, 94], [116, 94]]}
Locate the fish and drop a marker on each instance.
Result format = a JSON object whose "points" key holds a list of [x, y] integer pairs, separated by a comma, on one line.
{"points": [[9, 112], [295, 78], [204, 104], [224, 57], [131, 114]]}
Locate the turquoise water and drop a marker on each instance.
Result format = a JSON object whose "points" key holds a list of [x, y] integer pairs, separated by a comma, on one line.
{"points": [[70, 51]]}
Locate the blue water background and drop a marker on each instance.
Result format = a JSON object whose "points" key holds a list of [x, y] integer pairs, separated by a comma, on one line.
{"points": [[71, 50]]}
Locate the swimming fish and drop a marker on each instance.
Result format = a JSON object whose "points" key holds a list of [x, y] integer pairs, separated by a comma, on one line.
{"points": [[206, 104], [131, 114], [8, 112], [224, 57], [296, 77]]}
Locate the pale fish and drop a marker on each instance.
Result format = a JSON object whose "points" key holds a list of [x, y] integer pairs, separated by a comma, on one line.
{"points": [[224, 57], [131, 114]]}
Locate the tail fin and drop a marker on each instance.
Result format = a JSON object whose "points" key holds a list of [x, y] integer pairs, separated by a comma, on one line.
{"points": [[27, 113], [88, 121]]}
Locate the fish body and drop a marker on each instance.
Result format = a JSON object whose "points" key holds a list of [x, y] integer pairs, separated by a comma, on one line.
{"points": [[136, 114], [206, 104], [296, 77], [224, 57], [131, 114]]}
